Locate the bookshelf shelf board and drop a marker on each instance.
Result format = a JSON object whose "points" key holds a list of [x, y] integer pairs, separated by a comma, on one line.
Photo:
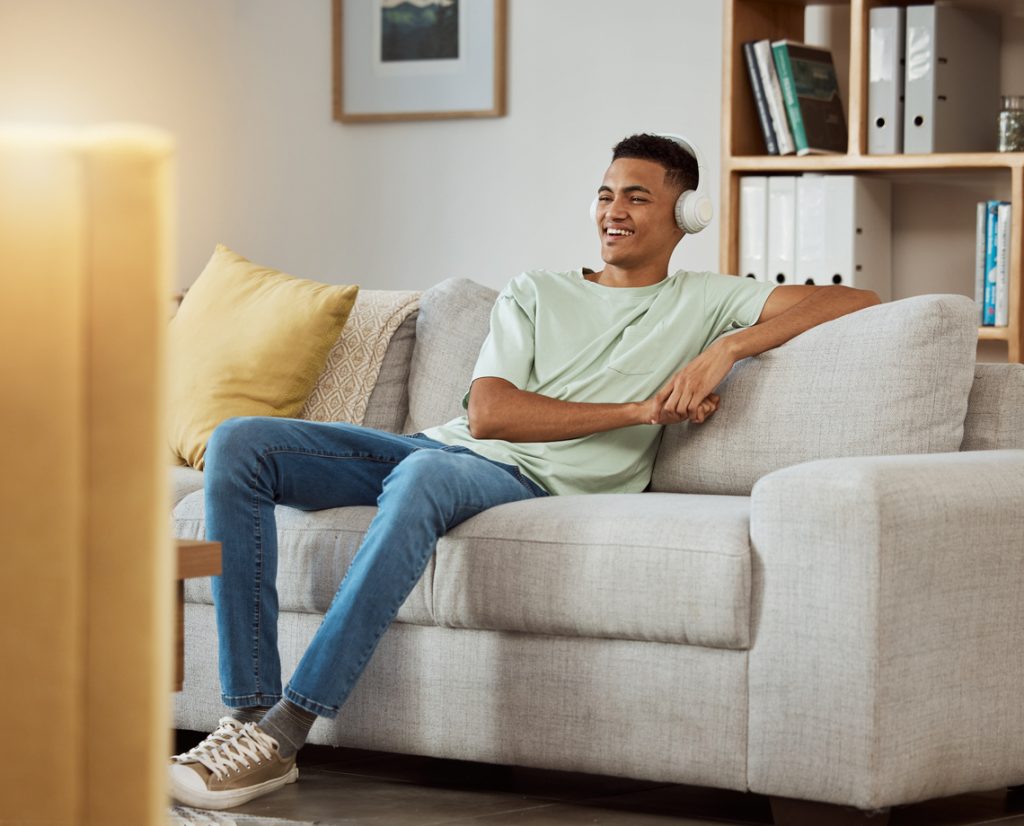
{"points": [[994, 333], [875, 163]]}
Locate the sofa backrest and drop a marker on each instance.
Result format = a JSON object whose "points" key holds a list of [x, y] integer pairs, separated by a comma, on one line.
{"points": [[894, 358], [453, 320], [995, 412], [889, 379]]}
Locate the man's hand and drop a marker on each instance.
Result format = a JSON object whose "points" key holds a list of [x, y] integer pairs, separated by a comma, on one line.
{"points": [[687, 396]]}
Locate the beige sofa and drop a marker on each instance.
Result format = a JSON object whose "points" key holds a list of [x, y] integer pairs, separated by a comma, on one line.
{"points": [[820, 597]]}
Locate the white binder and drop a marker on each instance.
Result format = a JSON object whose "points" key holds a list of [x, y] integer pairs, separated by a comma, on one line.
{"points": [[754, 227], [886, 42], [952, 80], [858, 245], [781, 228], [810, 230]]}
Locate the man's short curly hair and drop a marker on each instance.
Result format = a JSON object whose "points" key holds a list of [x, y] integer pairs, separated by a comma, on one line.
{"points": [[680, 165]]}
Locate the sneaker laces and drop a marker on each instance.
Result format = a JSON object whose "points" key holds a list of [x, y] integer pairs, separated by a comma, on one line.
{"points": [[227, 729], [234, 754]]}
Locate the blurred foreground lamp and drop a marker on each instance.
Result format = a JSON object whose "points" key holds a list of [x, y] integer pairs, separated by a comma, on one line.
{"points": [[85, 569]]}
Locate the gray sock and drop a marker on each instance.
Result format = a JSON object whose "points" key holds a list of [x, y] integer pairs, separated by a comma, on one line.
{"points": [[253, 714], [289, 724]]}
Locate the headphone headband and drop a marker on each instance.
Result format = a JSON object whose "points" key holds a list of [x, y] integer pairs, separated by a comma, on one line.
{"points": [[693, 209]]}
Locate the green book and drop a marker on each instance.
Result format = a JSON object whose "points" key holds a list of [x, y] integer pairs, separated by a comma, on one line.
{"points": [[810, 91]]}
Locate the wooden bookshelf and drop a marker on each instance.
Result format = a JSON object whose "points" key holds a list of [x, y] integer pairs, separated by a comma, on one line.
{"points": [[744, 151]]}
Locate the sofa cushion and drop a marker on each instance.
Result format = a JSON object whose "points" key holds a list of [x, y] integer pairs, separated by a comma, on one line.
{"points": [[889, 379], [314, 552], [247, 341], [453, 321], [343, 390], [184, 480], [995, 410], [389, 402], [658, 567]]}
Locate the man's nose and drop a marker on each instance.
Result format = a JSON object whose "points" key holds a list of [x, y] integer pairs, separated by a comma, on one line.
{"points": [[617, 208]]}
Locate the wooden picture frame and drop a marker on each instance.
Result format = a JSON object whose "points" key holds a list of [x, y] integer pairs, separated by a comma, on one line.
{"points": [[375, 80]]}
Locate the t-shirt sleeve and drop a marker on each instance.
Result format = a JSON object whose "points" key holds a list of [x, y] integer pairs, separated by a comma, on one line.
{"points": [[507, 352], [731, 302]]}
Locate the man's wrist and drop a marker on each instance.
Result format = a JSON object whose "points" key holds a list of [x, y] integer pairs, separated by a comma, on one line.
{"points": [[730, 347]]}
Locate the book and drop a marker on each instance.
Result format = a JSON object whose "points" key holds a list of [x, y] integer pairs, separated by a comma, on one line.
{"points": [[991, 220], [810, 91], [980, 239], [1002, 275], [773, 93], [760, 101]]}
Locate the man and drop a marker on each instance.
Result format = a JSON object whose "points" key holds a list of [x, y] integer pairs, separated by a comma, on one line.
{"points": [[577, 376]]}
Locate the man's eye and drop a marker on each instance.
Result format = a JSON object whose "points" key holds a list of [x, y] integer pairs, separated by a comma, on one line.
{"points": [[604, 197], [638, 200]]}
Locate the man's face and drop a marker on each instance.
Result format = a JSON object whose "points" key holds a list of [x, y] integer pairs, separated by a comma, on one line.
{"points": [[636, 214]]}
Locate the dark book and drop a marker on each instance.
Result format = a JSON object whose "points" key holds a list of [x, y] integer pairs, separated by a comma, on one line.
{"points": [[810, 90], [764, 117]]}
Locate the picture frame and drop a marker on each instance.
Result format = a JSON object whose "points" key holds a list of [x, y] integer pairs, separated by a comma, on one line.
{"points": [[397, 60]]}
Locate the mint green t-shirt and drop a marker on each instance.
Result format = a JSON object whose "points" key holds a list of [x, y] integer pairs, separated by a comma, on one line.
{"points": [[562, 336]]}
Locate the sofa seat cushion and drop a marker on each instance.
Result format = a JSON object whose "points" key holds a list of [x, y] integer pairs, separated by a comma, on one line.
{"points": [[648, 566], [184, 480], [314, 552]]}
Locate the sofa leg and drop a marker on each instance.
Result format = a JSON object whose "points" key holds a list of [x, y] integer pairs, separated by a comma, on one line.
{"points": [[787, 811]]}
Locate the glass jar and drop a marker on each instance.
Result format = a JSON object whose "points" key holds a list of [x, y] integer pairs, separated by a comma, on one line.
{"points": [[1011, 124]]}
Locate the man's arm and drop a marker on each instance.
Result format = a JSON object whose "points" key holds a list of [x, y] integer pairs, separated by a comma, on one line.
{"points": [[500, 410], [788, 312]]}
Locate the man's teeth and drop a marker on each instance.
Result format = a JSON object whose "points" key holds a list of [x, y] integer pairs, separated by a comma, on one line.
{"points": [[620, 232]]}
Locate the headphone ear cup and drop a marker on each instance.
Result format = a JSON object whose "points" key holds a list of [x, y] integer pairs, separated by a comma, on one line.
{"points": [[693, 211], [593, 211]]}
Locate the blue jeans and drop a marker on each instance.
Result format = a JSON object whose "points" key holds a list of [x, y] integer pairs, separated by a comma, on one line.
{"points": [[422, 488]]}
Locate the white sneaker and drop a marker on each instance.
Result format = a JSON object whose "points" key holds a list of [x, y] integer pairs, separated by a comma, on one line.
{"points": [[232, 772]]}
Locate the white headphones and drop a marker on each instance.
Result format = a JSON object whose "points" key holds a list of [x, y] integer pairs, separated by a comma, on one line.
{"points": [[693, 207]]}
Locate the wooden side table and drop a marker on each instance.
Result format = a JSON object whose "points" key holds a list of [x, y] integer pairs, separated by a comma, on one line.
{"points": [[195, 558]]}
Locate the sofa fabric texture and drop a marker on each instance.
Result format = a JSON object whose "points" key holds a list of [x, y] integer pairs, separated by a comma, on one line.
{"points": [[453, 321], [995, 416]]}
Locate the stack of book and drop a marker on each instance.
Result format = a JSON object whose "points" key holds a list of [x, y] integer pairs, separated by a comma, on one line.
{"points": [[992, 263], [796, 93]]}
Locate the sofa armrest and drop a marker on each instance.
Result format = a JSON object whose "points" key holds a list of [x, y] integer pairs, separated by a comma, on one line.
{"points": [[887, 658]]}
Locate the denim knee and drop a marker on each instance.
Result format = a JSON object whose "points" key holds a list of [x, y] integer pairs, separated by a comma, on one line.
{"points": [[234, 439]]}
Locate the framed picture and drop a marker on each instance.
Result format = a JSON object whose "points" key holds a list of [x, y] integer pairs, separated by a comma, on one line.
{"points": [[418, 59]]}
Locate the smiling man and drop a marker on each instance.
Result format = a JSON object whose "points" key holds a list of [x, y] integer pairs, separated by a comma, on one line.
{"points": [[575, 380]]}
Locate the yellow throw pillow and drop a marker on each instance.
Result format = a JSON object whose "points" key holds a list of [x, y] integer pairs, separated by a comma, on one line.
{"points": [[247, 341]]}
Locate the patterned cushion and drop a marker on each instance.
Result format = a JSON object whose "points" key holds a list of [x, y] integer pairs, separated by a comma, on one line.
{"points": [[888, 379], [342, 391]]}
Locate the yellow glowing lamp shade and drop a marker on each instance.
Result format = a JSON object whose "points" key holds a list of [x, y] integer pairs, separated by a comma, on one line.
{"points": [[86, 570]]}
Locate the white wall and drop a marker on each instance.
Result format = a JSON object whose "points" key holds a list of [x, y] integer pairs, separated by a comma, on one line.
{"points": [[245, 86]]}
